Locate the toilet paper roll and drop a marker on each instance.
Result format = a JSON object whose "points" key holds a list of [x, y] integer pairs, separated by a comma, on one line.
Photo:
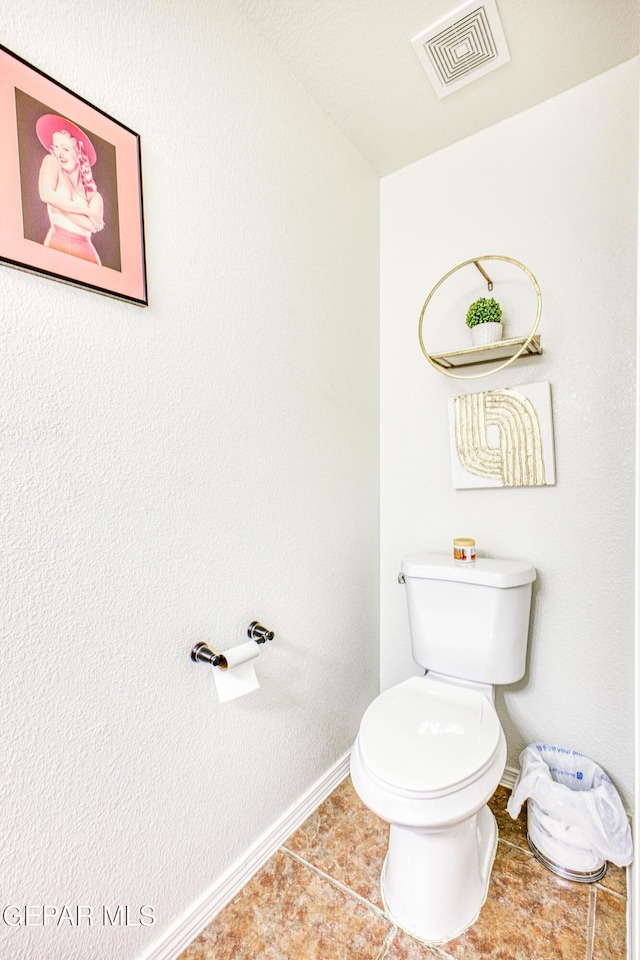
{"points": [[239, 675]]}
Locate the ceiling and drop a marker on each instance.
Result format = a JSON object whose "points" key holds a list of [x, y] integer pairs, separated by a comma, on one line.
{"points": [[355, 59]]}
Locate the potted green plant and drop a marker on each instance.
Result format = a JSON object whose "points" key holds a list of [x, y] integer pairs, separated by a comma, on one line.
{"points": [[484, 319]]}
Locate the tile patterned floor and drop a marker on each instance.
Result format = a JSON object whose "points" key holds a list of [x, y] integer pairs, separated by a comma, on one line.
{"points": [[318, 898]]}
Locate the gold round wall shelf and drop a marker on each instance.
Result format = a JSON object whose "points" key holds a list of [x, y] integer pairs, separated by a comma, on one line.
{"points": [[447, 362]]}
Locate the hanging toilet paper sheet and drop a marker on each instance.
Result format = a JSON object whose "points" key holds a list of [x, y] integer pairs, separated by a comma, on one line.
{"points": [[239, 677]]}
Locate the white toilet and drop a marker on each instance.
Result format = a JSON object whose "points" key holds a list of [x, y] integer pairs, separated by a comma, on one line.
{"points": [[430, 751]]}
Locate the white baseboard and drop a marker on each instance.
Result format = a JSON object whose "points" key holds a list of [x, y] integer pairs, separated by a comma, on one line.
{"points": [[187, 927], [632, 917], [509, 777]]}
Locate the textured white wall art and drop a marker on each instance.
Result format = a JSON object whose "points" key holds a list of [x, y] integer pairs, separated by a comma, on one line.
{"points": [[502, 438]]}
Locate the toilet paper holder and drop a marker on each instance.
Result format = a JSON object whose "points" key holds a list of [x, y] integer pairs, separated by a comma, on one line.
{"points": [[259, 633], [202, 653]]}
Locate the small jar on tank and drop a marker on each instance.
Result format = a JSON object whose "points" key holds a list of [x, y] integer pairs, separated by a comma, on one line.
{"points": [[464, 550]]}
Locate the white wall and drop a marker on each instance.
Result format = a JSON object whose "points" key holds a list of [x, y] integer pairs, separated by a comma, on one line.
{"points": [[633, 914], [555, 188], [171, 473]]}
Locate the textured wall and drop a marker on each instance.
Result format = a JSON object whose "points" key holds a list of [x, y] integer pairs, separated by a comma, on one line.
{"points": [[554, 187], [170, 473]]}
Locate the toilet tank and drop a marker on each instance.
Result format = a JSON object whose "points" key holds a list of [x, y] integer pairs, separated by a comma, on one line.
{"points": [[469, 621]]}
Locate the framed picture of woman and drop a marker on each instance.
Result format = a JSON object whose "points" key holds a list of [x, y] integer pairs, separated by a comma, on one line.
{"points": [[71, 198]]}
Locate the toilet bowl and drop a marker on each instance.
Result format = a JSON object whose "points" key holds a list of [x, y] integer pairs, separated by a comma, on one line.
{"points": [[429, 754]]}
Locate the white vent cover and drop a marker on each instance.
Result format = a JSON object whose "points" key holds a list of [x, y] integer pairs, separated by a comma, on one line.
{"points": [[463, 46]]}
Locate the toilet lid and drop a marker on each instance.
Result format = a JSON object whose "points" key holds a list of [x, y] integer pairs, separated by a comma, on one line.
{"points": [[424, 736]]}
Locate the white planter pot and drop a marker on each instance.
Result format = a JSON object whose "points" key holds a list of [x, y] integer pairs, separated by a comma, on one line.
{"points": [[484, 333]]}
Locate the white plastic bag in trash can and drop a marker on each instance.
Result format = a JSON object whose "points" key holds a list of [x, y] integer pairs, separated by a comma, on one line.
{"points": [[575, 815]]}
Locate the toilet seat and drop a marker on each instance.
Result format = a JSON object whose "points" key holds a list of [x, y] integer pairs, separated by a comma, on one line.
{"points": [[425, 737]]}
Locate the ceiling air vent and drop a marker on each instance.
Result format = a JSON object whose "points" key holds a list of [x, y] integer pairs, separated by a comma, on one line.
{"points": [[462, 47]]}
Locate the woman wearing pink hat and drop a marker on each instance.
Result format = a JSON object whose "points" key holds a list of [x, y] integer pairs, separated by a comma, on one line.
{"points": [[67, 187]]}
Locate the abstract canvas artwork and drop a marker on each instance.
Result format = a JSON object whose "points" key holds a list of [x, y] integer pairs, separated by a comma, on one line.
{"points": [[502, 438]]}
